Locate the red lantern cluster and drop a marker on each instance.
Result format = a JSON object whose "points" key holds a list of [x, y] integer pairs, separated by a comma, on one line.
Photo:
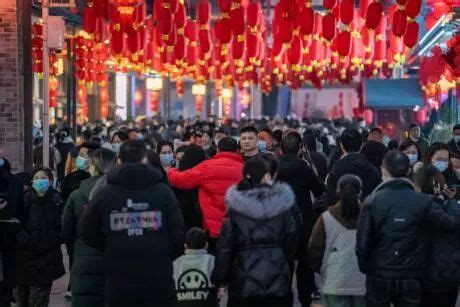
{"points": [[311, 47], [37, 48]]}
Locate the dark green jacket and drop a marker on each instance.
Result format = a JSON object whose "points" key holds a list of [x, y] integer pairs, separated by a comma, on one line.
{"points": [[87, 272]]}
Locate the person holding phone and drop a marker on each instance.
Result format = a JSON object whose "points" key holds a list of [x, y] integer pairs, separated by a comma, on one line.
{"points": [[442, 278]]}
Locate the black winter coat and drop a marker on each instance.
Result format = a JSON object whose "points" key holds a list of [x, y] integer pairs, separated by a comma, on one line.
{"points": [[87, 271], [257, 244], [13, 187], [72, 182], [443, 269], [38, 254], [135, 219], [303, 180], [393, 227], [356, 164]]}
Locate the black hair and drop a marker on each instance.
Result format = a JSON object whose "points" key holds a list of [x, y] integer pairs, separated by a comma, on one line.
{"points": [[182, 148], [427, 177], [408, 143], [228, 144], [48, 171], [91, 146], [272, 160], [291, 144], [393, 144], [132, 151], [164, 143], [122, 135], [196, 238], [254, 171], [154, 161], [86, 135], [349, 191], [193, 155], [103, 160], [436, 146], [351, 140], [376, 129], [249, 129], [411, 126], [309, 140], [456, 127], [396, 163], [278, 136]]}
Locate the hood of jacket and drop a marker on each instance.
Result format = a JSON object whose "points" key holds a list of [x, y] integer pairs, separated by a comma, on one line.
{"points": [[135, 176], [397, 184], [262, 202]]}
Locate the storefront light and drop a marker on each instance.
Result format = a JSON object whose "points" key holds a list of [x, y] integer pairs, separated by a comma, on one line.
{"points": [[199, 90], [227, 93], [154, 84]]}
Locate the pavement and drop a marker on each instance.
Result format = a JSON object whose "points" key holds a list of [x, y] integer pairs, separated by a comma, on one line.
{"points": [[59, 289]]}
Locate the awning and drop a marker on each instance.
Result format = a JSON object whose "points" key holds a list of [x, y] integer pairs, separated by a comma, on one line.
{"points": [[392, 93]]}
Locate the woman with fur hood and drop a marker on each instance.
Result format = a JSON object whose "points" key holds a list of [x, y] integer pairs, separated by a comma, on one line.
{"points": [[258, 241]]}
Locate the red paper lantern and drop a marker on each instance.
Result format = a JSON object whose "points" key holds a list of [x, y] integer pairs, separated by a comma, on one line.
{"points": [[347, 11], [294, 53], [238, 49], [329, 27], [117, 42], [204, 12], [253, 14], [399, 23], [205, 41], [329, 4], [180, 17], [225, 6], [89, 19], [411, 36], [37, 29], [373, 15], [344, 43], [412, 8], [306, 21], [363, 7], [223, 30], [179, 48], [102, 8], [237, 22], [165, 23], [285, 31], [133, 40]]}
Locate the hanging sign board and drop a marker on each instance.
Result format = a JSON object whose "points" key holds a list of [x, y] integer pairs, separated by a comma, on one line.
{"points": [[56, 32]]}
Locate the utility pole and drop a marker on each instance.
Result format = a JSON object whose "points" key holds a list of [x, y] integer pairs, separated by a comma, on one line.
{"points": [[46, 106]]}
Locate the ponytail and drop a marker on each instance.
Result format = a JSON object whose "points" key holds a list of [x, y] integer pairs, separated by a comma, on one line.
{"points": [[253, 172], [349, 192]]}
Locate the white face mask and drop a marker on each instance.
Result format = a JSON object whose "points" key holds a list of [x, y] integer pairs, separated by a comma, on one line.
{"points": [[413, 158]]}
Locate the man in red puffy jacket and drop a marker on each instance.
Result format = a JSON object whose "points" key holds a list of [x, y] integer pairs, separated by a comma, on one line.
{"points": [[212, 177]]}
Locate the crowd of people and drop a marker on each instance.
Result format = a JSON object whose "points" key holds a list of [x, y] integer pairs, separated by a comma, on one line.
{"points": [[189, 212]]}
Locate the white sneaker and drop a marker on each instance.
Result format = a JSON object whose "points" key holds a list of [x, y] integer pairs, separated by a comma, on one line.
{"points": [[68, 295]]}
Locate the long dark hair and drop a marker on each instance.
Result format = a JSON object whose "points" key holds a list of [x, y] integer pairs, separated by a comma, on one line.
{"points": [[349, 187], [437, 146], [254, 171], [193, 155], [428, 178]]}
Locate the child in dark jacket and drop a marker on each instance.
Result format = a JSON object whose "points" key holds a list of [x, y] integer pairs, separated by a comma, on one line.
{"points": [[192, 272]]}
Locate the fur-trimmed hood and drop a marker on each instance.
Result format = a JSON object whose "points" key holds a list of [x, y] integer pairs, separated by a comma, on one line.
{"points": [[262, 202]]}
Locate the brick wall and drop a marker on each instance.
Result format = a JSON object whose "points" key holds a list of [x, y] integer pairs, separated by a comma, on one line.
{"points": [[11, 103]]}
